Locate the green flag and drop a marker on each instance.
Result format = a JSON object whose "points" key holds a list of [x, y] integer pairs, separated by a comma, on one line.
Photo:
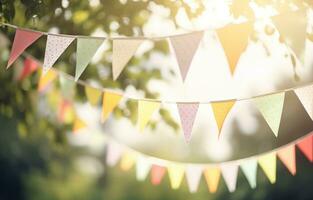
{"points": [[249, 168], [86, 49]]}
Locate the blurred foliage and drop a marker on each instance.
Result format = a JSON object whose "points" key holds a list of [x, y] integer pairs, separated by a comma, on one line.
{"points": [[36, 161]]}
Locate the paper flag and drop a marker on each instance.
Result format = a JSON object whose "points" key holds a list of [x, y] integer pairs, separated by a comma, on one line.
{"points": [[110, 101], [66, 113], [127, 161], [123, 51], [46, 79], [93, 95], [306, 146], [288, 156], [249, 168], [29, 67], [221, 110], [67, 87], [143, 167], [305, 95], [234, 39], [187, 113], [22, 40], [86, 49], [157, 174], [176, 174], [145, 111], [193, 176], [230, 173], [185, 47], [268, 164], [271, 107], [55, 46], [292, 28], [212, 176], [78, 125], [114, 153]]}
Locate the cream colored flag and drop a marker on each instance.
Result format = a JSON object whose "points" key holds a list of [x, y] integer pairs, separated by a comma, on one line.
{"points": [[268, 164], [305, 95], [123, 51], [145, 111], [185, 47], [230, 173]]}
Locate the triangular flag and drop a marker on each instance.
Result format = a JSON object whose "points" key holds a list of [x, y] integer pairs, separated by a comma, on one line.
{"points": [[221, 110], [55, 46], [187, 113], [110, 101], [114, 152], [123, 51], [143, 167], [78, 125], [212, 176], [230, 173], [157, 174], [234, 39], [268, 164], [66, 113], [30, 65], [292, 28], [306, 146], [145, 111], [288, 156], [305, 95], [249, 168], [271, 107], [46, 79], [176, 174], [68, 87], [93, 95], [185, 47], [127, 161], [22, 40], [193, 176], [86, 49]]}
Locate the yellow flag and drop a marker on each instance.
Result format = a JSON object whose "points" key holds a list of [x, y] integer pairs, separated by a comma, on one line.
{"points": [[128, 161], [268, 164], [110, 101], [176, 174], [220, 110], [212, 176], [46, 79], [78, 125], [93, 95], [145, 111]]}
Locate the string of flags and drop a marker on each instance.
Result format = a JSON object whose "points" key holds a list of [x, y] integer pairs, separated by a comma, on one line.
{"points": [[270, 105], [234, 39], [212, 173]]}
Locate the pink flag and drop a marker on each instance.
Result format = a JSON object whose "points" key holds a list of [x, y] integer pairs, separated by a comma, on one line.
{"points": [[306, 146], [55, 46], [157, 173], [114, 153], [22, 40], [29, 67], [288, 157], [187, 113], [193, 176]]}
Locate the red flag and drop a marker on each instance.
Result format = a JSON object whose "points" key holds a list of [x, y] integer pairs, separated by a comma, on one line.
{"points": [[22, 40], [157, 173], [306, 146], [29, 67]]}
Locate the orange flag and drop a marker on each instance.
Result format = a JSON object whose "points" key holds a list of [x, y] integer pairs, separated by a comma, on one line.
{"points": [[306, 146], [288, 156], [234, 39], [157, 174], [212, 176], [220, 110], [110, 101]]}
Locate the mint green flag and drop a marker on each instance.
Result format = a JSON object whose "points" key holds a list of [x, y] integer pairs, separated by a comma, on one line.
{"points": [[249, 168], [86, 49], [271, 107]]}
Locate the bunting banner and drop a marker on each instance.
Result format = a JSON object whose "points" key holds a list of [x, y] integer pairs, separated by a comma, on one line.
{"points": [[249, 168], [306, 146], [86, 49], [176, 174], [123, 51], [305, 95], [220, 111], [110, 101], [143, 167], [185, 47], [145, 111], [288, 156], [193, 177], [212, 176], [30, 66], [268, 164], [187, 113], [292, 29], [157, 174], [230, 173], [55, 47], [93, 95]]}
